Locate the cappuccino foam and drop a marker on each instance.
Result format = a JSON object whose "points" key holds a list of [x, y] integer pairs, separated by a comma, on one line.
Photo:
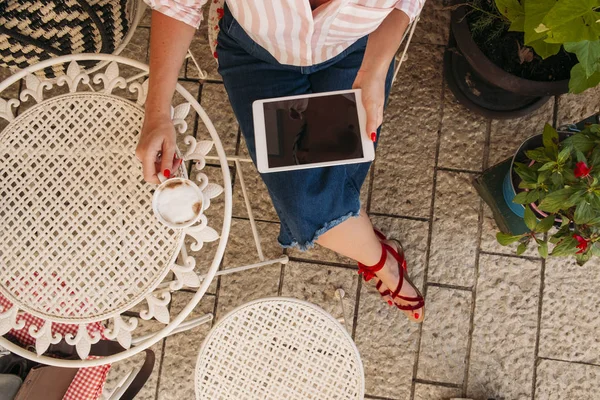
{"points": [[179, 203]]}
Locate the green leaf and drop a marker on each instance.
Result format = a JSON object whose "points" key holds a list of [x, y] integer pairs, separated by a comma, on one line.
{"points": [[505, 239], [594, 221], [548, 166], [557, 180], [521, 198], [583, 257], [543, 249], [566, 247], [538, 155], [550, 136], [530, 219], [580, 82], [545, 224], [521, 248], [518, 24], [545, 49], [588, 54], [583, 213], [572, 21], [535, 11], [595, 249], [558, 200], [582, 142], [511, 9], [564, 155], [532, 196]]}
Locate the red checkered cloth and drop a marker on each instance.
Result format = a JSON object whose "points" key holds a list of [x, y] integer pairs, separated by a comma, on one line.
{"points": [[88, 382]]}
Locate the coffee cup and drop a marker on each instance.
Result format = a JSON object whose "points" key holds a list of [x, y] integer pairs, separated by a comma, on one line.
{"points": [[177, 202]]}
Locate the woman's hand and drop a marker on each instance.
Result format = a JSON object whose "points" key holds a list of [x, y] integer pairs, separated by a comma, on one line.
{"points": [[373, 98], [156, 148]]}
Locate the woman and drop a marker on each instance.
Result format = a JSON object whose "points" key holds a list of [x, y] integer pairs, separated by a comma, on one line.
{"points": [[278, 48]]}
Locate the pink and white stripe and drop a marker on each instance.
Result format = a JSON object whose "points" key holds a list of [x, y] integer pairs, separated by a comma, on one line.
{"points": [[291, 30]]}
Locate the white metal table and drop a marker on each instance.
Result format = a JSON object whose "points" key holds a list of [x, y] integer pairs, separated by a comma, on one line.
{"points": [[78, 241]]}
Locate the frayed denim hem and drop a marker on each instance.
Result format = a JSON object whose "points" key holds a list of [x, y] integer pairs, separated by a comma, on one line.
{"points": [[331, 224]]}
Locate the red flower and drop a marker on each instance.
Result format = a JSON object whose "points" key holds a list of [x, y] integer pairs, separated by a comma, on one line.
{"points": [[582, 170], [220, 12], [583, 244]]}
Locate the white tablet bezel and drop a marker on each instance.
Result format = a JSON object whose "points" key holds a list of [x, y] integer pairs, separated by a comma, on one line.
{"points": [[260, 137]]}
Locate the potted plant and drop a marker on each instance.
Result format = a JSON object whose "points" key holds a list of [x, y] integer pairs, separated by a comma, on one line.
{"points": [[559, 189], [513, 54]]}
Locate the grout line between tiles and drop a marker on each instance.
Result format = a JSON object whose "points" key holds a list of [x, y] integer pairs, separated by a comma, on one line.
{"points": [[569, 362], [367, 396], [379, 214], [493, 253], [453, 287], [441, 384], [266, 221], [430, 231], [458, 170], [484, 166], [370, 192], [160, 366], [281, 276], [538, 329], [555, 112], [356, 306], [320, 262]]}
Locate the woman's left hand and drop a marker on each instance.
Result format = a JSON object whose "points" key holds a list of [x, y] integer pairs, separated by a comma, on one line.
{"points": [[373, 97]]}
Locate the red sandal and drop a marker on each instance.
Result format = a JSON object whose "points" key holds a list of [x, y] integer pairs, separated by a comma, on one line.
{"points": [[368, 272], [368, 276]]}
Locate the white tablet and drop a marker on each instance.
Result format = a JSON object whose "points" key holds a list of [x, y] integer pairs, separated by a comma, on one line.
{"points": [[312, 130]]}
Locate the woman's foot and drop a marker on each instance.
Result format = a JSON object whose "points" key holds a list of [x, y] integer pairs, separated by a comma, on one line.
{"points": [[389, 276]]}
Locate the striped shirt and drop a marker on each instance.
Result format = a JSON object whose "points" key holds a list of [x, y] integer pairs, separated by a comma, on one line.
{"points": [[291, 30]]}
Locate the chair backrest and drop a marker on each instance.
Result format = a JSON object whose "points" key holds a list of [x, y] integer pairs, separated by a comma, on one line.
{"points": [[279, 348]]}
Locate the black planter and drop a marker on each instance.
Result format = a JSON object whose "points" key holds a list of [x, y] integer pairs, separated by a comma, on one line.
{"points": [[485, 88]]}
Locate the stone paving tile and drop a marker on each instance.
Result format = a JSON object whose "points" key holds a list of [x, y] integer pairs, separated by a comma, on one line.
{"points": [[434, 26], [558, 380], [432, 392], [507, 135], [242, 287], [572, 108], [201, 51], [406, 153], [317, 284], [387, 341], [181, 352], [216, 104], [463, 136], [146, 18], [505, 324], [445, 335], [119, 369], [488, 238], [260, 201], [455, 223], [137, 48], [569, 329]]}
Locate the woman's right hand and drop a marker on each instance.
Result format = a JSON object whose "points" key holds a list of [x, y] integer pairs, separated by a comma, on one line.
{"points": [[156, 148]]}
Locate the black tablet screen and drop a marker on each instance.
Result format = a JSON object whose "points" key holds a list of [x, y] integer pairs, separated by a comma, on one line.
{"points": [[312, 130]]}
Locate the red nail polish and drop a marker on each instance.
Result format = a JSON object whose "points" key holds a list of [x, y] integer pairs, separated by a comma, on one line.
{"points": [[417, 315], [389, 302], [167, 173], [373, 137]]}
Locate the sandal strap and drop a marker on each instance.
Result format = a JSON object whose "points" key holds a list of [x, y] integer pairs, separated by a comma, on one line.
{"points": [[385, 292], [411, 307], [368, 272]]}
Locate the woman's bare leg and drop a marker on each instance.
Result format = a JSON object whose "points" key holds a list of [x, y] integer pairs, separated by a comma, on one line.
{"points": [[354, 238]]}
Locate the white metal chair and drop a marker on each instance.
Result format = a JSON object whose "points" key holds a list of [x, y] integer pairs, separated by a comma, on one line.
{"points": [[279, 348]]}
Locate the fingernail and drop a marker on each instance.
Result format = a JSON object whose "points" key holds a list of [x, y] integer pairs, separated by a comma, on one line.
{"points": [[373, 137], [167, 173]]}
